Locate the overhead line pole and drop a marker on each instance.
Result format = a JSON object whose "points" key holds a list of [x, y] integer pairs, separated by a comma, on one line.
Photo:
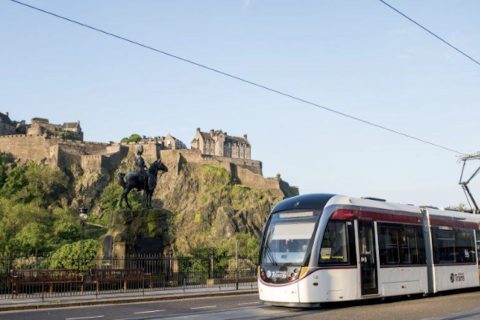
{"points": [[464, 184]]}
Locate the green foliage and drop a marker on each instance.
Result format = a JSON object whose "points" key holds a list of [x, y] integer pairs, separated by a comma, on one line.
{"points": [[200, 258], [31, 217], [215, 175], [14, 182], [23, 227], [223, 255], [28, 228], [35, 183], [31, 236], [134, 137], [78, 255], [110, 198], [248, 246]]}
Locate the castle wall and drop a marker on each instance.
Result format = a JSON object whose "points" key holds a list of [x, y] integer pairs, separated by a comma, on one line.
{"points": [[196, 156], [69, 153], [151, 151], [92, 163], [28, 148], [108, 161], [116, 154], [256, 181], [94, 147], [63, 153]]}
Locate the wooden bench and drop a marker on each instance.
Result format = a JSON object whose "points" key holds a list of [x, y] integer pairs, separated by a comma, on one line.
{"points": [[121, 277], [23, 279]]}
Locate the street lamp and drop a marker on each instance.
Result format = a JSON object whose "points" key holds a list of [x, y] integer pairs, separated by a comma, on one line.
{"points": [[83, 215]]}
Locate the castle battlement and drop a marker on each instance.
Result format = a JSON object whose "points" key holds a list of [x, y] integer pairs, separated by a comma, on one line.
{"points": [[9, 136]]}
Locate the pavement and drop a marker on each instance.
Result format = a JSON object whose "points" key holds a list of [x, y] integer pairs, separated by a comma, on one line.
{"points": [[38, 302]]}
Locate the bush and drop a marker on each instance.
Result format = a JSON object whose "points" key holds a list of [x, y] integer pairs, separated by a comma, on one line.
{"points": [[78, 255], [35, 183]]}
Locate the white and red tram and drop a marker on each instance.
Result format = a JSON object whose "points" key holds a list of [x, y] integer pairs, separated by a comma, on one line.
{"points": [[322, 248]]}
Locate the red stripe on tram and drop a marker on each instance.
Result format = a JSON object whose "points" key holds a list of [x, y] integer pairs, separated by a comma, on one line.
{"points": [[452, 222], [349, 214]]}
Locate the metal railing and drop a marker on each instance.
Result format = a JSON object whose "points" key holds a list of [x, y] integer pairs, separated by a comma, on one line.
{"points": [[25, 277]]}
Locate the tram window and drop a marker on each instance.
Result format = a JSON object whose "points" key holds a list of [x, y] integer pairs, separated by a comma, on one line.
{"points": [[443, 245], [336, 243], [453, 245], [464, 246], [401, 244]]}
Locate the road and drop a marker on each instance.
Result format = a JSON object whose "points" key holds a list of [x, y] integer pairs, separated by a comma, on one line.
{"points": [[460, 306]]}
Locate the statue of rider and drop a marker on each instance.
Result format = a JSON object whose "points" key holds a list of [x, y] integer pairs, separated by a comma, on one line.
{"points": [[140, 165]]}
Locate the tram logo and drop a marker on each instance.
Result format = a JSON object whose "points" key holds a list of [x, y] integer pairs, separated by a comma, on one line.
{"points": [[457, 277]]}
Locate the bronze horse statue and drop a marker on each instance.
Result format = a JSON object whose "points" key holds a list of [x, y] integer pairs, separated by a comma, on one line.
{"points": [[137, 180]]}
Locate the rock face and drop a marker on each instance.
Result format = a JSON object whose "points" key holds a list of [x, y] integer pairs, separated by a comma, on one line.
{"points": [[208, 206], [202, 203]]}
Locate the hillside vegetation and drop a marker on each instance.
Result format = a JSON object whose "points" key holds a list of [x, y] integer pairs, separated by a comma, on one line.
{"points": [[199, 207], [35, 217]]}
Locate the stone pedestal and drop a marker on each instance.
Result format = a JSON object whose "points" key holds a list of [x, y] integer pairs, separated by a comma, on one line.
{"points": [[135, 232]]}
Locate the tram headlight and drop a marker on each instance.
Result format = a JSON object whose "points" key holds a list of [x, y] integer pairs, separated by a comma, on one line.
{"points": [[262, 273]]}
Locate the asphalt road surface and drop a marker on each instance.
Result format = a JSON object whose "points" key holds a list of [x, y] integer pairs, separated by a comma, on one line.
{"points": [[458, 306]]}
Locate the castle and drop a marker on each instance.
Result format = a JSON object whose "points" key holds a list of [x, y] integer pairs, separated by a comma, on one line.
{"points": [[219, 143], [62, 146]]}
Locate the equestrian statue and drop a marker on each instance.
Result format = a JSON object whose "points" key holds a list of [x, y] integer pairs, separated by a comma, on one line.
{"points": [[142, 178]]}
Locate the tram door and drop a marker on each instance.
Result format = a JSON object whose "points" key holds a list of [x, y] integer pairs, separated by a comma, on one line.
{"points": [[368, 261]]}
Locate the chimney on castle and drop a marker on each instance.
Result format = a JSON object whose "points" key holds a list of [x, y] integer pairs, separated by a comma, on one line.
{"points": [[245, 136], [212, 132], [198, 129]]}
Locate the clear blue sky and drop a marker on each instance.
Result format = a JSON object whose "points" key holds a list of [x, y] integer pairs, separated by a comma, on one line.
{"points": [[355, 56]]}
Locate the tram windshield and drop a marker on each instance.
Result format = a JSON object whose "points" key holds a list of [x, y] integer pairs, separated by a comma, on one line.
{"points": [[288, 237]]}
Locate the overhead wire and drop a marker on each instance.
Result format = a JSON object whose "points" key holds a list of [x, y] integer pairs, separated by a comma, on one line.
{"points": [[432, 33], [232, 76]]}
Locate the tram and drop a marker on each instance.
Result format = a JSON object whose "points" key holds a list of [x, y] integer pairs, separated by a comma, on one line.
{"points": [[320, 248]]}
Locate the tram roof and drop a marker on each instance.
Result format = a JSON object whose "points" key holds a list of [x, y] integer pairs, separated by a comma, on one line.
{"points": [[369, 203], [317, 201], [313, 201]]}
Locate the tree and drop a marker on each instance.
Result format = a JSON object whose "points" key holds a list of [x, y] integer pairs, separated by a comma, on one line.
{"points": [[134, 137]]}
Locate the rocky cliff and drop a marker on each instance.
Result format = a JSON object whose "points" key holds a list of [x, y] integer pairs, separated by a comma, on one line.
{"points": [[198, 204]]}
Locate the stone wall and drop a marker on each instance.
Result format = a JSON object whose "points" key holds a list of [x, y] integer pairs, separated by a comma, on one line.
{"points": [[26, 148], [92, 163], [151, 150], [115, 155], [108, 161]]}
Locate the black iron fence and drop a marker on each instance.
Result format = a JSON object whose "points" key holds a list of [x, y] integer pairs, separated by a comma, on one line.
{"points": [[30, 276]]}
